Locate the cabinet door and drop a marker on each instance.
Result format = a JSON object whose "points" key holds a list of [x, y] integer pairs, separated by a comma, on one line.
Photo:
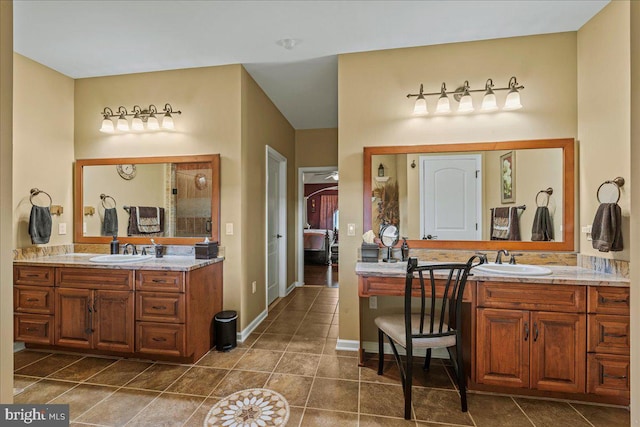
{"points": [[74, 317], [558, 349], [503, 347], [113, 320]]}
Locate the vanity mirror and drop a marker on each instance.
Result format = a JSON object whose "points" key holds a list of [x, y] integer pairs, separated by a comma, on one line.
{"points": [[174, 200], [449, 196]]}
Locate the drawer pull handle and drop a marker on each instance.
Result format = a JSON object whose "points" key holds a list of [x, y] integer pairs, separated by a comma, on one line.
{"points": [[159, 307], [32, 275], [32, 299], [604, 300], [32, 329], [615, 335], [526, 331], [156, 339], [158, 281], [615, 377]]}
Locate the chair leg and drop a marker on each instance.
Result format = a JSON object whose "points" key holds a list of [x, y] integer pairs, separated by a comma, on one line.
{"points": [[427, 360], [407, 385], [461, 377], [380, 352]]}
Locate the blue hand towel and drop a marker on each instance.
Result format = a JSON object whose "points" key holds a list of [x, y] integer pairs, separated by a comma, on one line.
{"points": [[110, 222], [40, 224]]}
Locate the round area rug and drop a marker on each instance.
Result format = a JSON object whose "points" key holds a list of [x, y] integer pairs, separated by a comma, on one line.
{"points": [[250, 407]]}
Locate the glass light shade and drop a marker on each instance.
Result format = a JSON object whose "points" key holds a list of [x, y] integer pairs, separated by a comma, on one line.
{"points": [[167, 122], [513, 100], [136, 124], [489, 102], [443, 106], [420, 108], [466, 104], [152, 123], [123, 124], [107, 126]]}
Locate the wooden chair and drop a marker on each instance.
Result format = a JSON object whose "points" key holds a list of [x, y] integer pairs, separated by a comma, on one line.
{"points": [[428, 329]]}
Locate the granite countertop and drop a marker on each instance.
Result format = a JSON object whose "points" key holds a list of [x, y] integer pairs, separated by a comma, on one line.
{"points": [[560, 275], [167, 262]]}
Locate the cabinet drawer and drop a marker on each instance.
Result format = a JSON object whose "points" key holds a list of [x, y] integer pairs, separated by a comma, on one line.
{"points": [[33, 299], [609, 334], [95, 278], [33, 328], [160, 338], [36, 276], [394, 286], [532, 297], [160, 307], [608, 375], [162, 281], [609, 300]]}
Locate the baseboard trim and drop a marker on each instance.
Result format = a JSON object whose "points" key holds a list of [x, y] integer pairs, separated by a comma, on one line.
{"points": [[244, 334], [18, 346], [291, 288], [347, 345]]}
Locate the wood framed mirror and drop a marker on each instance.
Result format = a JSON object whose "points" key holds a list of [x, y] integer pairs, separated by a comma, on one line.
{"points": [[172, 199], [399, 188]]}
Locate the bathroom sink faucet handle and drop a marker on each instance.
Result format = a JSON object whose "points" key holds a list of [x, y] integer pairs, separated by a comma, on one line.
{"points": [[499, 255], [512, 260], [483, 257]]}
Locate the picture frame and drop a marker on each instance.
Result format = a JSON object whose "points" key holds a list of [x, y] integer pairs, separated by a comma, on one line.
{"points": [[508, 177]]}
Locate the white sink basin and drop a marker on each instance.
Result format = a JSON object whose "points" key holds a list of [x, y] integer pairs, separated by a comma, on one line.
{"points": [[514, 269], [117, 258]]}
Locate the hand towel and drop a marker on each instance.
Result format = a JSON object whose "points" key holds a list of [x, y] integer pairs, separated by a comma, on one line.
{"points": [[110, 222], [40, 224], [505, 223], [606, 231], [542, 229], [145, 220]]}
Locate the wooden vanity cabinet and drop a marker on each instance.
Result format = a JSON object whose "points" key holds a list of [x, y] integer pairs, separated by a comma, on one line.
{"points": [[531, 336]]}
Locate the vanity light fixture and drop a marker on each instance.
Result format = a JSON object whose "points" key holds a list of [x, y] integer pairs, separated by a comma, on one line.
{"points": [[463, 96], [140, 117]]}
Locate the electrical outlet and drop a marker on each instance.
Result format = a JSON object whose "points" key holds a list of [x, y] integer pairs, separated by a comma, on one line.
{"points": [[253, 287], [62, 228], [229, 228], [373, 303], [351, 229]]}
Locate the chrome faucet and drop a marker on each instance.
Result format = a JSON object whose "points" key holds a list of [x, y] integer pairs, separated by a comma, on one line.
{"points": [[499, 255], [134, 251]]}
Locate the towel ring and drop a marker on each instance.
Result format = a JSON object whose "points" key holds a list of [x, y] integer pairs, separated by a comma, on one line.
{"points": [[617, 183], [34, 192], [548, 192], [104, 198]]}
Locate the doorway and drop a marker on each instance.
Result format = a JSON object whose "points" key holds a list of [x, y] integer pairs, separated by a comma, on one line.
{"points": [[276, 225]]}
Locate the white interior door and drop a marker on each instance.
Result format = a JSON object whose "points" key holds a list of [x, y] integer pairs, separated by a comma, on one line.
{"points": [[451, 197], [276, 225]]}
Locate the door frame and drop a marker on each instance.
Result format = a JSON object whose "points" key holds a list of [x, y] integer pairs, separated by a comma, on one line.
{"points": [[271, 153], [478, 190], [300, 216]]}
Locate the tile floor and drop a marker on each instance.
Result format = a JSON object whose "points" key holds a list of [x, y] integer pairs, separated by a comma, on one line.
{"points": [[292, 352]]}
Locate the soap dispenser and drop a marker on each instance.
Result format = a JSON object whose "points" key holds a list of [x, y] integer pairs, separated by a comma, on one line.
{"points": [[115, 246], [404, 249]]}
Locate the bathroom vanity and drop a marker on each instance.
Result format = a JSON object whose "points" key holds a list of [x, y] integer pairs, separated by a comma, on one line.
{"points": [[563, 335], [161, 308]]}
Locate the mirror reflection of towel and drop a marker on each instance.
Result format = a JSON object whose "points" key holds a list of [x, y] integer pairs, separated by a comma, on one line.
{"points": [[542, 229], [606, 231], [145, 220], [40, 224], [110, 222], [505, 224]]}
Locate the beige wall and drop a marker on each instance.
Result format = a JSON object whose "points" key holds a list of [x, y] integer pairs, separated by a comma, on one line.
{"points": [[6, 213], [43, 146], [635, 219], [316, 147], [262, 125], [603, 114], [545, 65]]}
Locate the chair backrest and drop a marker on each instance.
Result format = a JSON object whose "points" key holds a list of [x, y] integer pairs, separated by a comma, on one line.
{"points": [[446, 281]]}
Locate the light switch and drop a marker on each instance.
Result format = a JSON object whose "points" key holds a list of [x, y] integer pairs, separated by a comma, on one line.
{"points": [[229, 228], [351, 229], [62, 228]]}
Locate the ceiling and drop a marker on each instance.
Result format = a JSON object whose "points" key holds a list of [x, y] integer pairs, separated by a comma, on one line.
{"points": [[82, 38]]}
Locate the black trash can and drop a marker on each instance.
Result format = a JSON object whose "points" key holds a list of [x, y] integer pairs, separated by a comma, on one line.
{"points": [[225, 330]]}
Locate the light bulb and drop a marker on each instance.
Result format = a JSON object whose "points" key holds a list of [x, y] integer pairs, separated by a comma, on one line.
{"points": [[443, 106], [466, 103], [136, 123], [489, 102], [152, 122], [513, 100], [167, 122], [123, 124], [420, 107], [107, 126]]}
